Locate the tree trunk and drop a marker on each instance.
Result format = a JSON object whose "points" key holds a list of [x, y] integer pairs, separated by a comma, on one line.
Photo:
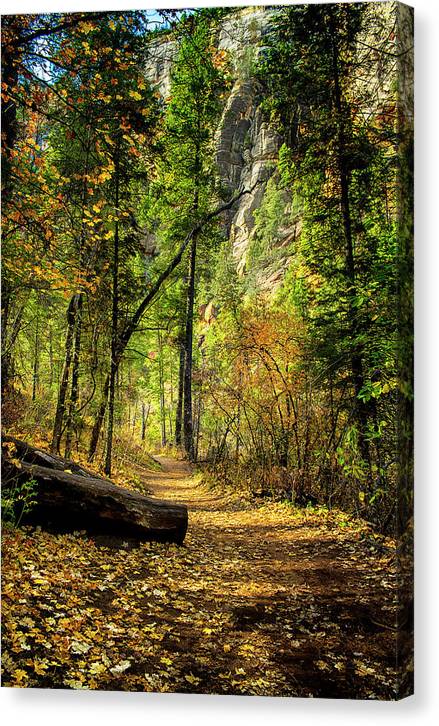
{"points": [[35, 372], [361, 412], [94, 438], [51, 363], [5, 354], [188, 434], [10, 56], [68, 501], [62, 393], [114, 329], [179, 411], [162, 390], [145, 415], [74, 391], [197, 427]]}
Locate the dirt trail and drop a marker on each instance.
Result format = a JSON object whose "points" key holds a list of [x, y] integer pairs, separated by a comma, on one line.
{"points": [[296, 598], [260, 599]]}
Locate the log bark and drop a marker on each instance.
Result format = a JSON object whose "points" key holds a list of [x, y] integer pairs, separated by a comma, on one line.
{"points": [[69, 498], [32, 455]]}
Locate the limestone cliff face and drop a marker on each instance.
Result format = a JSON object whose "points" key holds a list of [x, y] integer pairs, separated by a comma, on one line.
{"points": [[246, 150], [246, 147]]}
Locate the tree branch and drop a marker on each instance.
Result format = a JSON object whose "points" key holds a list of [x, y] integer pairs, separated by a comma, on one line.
{"points": [[147, 300]]}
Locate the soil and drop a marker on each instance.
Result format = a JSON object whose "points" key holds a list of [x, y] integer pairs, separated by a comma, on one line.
{"points": [[260, 599]]}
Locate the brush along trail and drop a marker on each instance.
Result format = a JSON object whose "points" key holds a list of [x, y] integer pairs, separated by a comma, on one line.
{"points": [[261, 599]]}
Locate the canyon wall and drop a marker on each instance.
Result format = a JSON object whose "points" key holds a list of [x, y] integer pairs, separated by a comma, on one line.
{"points": [[246, 146]]}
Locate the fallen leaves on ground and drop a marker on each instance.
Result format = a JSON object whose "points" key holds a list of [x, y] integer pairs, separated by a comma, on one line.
{"points": [[261, 599]]}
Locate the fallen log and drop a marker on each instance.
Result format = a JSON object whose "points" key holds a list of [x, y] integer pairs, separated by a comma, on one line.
{"points": [[33, 455], [68, 501]]}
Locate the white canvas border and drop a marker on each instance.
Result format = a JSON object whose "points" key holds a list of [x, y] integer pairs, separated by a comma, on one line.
{"points": [[71, 708]]}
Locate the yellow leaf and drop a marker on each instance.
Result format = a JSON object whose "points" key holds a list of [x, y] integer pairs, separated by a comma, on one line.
{"points": [[120, 667], [85, 28], [40, 667], [97, 668], [20, 675], [192, 679]]}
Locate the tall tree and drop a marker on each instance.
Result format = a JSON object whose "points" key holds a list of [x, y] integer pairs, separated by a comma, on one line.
{"points": [[336, 156], [196, 79]]}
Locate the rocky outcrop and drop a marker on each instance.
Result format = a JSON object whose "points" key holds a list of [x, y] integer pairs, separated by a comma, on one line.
{"points": [[246, 152], [246, 146], [161, 55]]}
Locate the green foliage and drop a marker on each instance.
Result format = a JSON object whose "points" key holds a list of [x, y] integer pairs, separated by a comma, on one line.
{"points": [[306, 388], [226, 287], [18, 499], [269, 218]]}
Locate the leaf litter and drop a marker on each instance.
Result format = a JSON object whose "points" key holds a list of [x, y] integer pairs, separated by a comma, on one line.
{"points": [[261, 599]]}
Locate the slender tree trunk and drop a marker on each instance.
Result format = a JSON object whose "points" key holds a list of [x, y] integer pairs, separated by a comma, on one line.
{"points": [[171, 396], [99, 420], [5, 352], [238, 418], [51, 364], [8, 346], [111, 398], [198, 423], [114, 365], [179, 411], [170, 423], [134, 419], [9, 128], [36, 366], [73, 330], [188, 435], [162, 390], [188, 423], [343, 172], [10, 57], [74, 389], [65, 376], [145, 414]]}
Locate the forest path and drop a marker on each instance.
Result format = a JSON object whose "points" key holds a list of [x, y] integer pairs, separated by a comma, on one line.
{"points": [[282, 604], [260, 599]]}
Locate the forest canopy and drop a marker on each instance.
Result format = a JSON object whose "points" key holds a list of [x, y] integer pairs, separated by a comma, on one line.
{"points": [[207, 350], [131, 317]]}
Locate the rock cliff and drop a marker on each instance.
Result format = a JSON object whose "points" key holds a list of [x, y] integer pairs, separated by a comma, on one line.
{"points": [[246, 146]]}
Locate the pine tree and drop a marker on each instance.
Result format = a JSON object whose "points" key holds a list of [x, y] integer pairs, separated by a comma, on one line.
{"points": [[338, 162], [188, 182]]}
